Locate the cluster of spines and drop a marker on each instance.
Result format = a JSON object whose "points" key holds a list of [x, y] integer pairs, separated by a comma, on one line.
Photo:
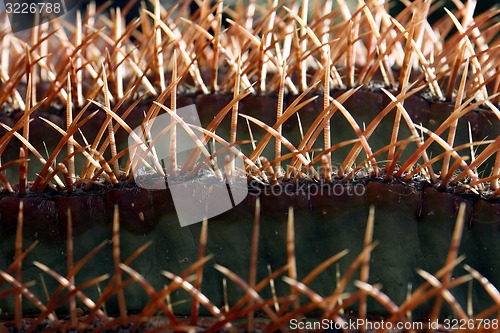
{"points": [[278, 310], [109, 63], [253, 50], [250, 57]]}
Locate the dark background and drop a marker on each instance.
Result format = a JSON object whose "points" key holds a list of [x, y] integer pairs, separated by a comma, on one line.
{"points": [[395, 7]]}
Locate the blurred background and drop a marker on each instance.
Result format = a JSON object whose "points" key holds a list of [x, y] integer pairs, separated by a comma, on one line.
{"points": [[23, 21], [394, 6]]}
